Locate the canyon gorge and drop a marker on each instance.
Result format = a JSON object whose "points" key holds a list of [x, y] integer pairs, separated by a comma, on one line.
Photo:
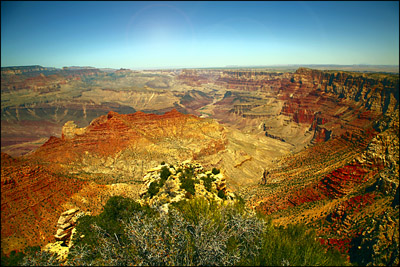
{"points": [[319, 147]]}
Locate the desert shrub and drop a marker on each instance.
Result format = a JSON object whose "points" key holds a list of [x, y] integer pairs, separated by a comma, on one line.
{"points": [[295, 245], [191, 210], [15, 258], [194, 232], [118, 207], [221, 194], [188, 172], [116, 210], [215, 171], [208, 182], [40, 258], [188, 185], [153, 188], [164, 174]]}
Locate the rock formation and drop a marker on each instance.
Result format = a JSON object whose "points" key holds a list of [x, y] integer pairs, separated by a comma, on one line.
{"points": [[66, 224], [70, 130], [166, 184]]}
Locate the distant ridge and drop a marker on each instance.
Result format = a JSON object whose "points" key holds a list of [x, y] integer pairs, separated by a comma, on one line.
{"points": [[282, 67], [353, 67]]}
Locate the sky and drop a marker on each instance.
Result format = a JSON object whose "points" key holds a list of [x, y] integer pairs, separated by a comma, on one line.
{"points": [[197, 34]]}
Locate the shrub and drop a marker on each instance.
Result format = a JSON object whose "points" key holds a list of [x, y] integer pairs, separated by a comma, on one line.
{"points": [[14, 259], [164, 174], [188, 185], [40, 258], [221, 194], [193, 232], [188, 172], [116, 210], [153, 189], [208, 182], [215, 171]]}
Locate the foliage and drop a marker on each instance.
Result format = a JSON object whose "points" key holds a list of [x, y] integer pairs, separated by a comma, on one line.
{"points": [[295, 245], [116, 210], [164, 174], [208, 182], [187, 181], [40, 258], [221, 194], [188, 185], [215, 171], [16, 257], [194, 232], [153, 188]]}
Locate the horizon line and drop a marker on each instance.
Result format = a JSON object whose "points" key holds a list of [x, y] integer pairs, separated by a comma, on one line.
{"points": [[209, 67]]}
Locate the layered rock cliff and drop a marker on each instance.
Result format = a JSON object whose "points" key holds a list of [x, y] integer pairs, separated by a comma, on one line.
{"points": [[349, 178]]}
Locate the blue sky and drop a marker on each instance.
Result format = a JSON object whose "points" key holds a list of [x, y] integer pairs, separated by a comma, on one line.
{"points": [[198, 34]]}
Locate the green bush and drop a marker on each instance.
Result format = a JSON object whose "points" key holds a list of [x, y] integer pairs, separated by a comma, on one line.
{"points": [[16, 258], [201, 232], [116, 210], [194, 232], [188, 185], [165, 173], [221, 194], [208, 182], [215, 171], [153, 189]]}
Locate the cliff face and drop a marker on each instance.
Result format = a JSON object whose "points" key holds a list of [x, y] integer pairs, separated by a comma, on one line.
{"points": [[329, 103], [349, 178], [376, 92], [338, 100]]}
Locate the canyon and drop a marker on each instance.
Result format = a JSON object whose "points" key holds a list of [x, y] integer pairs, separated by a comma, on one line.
{"points": [[319, 147]]}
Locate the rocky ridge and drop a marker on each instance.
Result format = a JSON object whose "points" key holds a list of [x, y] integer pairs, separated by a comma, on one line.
{"points": [[110, 142]]}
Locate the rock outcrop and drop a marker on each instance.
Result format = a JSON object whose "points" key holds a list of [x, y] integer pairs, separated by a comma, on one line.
{"points": [[70, 130], [66, 224], [166, 184]]}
